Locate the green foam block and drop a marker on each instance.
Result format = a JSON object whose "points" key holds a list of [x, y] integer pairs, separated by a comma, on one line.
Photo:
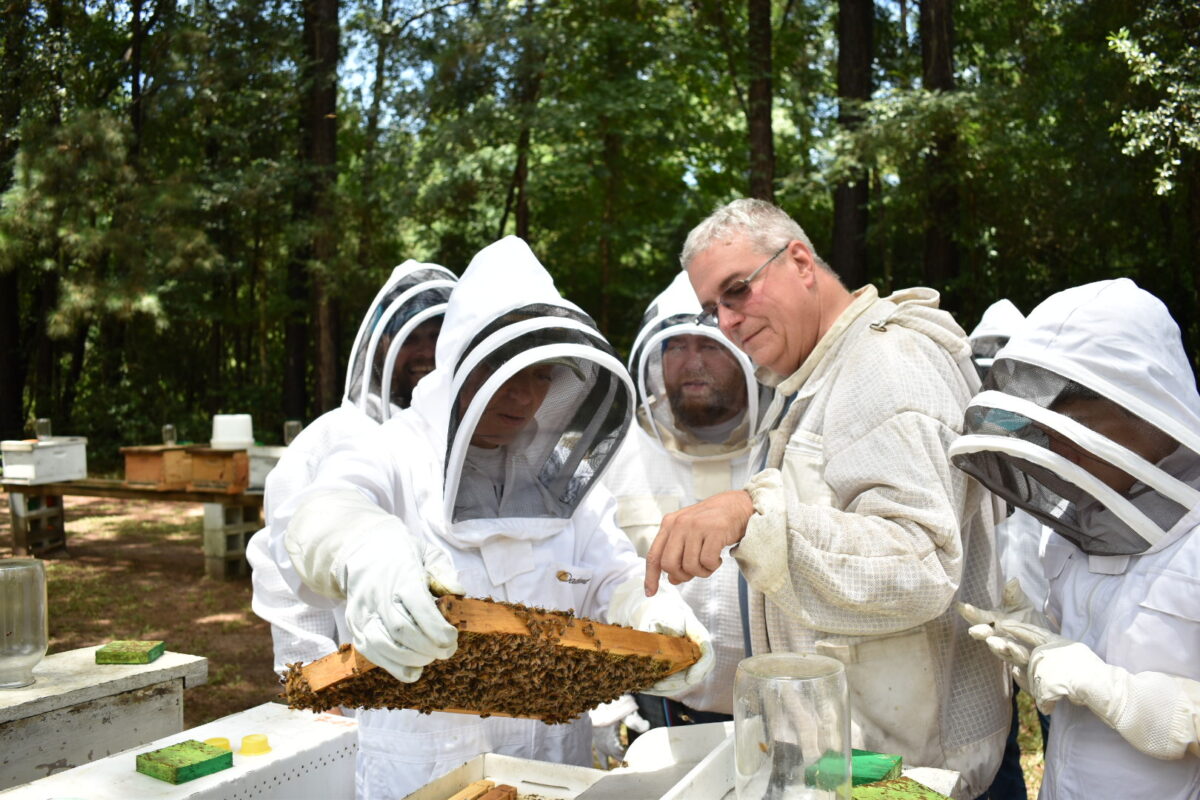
{"points": [[872, 767], [129, 652], [183, 762], [896, 789], [867, 767]]}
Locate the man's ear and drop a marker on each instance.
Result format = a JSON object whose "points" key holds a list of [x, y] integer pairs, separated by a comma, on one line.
{"points": [[802, 257]]}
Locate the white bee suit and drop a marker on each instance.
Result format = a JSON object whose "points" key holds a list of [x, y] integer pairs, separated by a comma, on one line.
{"points": [[662, 467], [413, 293], [1123, 673], [528, 525], [863, 535], [1020, 538]]}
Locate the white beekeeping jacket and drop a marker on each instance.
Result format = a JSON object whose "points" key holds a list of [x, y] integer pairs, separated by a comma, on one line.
{"points": [[865, 535], [414, 293], [1123, 564], [524, 522], [1020, 539], [662, 467]]}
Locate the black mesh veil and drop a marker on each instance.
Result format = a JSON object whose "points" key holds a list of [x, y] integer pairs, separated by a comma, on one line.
{"points": [[1046, 444], [540, 405], [363, 382]]}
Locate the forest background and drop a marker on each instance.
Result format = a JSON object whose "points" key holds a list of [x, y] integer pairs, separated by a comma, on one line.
{"points": [[198, 199]]}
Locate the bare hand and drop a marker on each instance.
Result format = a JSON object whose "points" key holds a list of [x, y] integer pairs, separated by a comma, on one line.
{"points": [[690, 541]]}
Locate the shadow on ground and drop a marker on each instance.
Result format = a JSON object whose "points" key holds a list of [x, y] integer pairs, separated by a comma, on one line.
{"points": [[134, 570]]}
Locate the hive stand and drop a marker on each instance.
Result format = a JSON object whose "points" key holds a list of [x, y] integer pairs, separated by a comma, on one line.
{"points": [[38, 523], [227, 531]]}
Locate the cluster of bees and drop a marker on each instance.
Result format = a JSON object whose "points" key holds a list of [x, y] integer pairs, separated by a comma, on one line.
{"points": [[498, 673]]}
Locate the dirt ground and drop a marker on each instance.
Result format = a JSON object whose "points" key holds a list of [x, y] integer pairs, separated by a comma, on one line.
{"points": [[134, 570]]}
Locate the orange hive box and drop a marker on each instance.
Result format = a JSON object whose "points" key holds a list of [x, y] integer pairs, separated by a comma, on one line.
{"points": [[162, 467]]}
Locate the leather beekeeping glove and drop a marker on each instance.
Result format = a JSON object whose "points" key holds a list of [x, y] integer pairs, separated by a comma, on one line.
{"points": [[665, 612], [345, 547], [1157, 713]]}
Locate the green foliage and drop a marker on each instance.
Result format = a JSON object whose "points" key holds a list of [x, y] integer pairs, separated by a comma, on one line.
{"points": [[150, 242], [1165, 59]]}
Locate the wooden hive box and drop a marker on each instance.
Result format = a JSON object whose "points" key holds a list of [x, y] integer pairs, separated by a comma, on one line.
{"points": [[161, 467], [225, 471], [512, 661]]}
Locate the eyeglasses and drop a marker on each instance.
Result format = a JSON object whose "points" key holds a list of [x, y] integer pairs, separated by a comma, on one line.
{"points": [[735, 293]]}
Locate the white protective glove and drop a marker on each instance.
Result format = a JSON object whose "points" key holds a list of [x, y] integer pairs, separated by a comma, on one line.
{"points": [[1015, 607], [606, 727], [665, 612], [1158, 714], [345, 547]]}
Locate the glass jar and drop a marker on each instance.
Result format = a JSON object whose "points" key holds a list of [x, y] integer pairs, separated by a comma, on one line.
{"points": [[791, 721], [23, 625]]}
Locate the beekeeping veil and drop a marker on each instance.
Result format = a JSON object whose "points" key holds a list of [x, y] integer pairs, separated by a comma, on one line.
{"points": [[672, 314], [1104, 358], [997, 325], [413, 294], [505, 317]]}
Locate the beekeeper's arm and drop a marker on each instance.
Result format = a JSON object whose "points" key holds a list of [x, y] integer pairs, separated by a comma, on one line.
{"points": [[892, 559], [345, 546], [1157, 713], [618, 590]]}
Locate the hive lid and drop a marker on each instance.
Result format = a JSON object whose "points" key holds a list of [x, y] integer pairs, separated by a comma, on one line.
{"points": [[29, 445]]}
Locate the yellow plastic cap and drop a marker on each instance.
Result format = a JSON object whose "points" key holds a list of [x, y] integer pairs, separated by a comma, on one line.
{"points": [[255, 744], [219, 741]]}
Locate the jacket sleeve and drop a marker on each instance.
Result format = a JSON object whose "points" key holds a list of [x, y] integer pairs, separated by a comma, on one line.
{"points": [[883, 551]]}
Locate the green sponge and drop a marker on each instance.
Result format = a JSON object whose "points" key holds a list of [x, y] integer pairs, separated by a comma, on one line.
{"points": [[873, 767], [896, 789], [183, 762], [867, 767], [129, 652]]}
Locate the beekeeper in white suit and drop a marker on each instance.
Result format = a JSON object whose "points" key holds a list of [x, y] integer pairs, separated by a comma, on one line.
{"points": [[859, 535], [1020, 539], [396, 338], [487, 485], [699, 414], [1090, 421]]}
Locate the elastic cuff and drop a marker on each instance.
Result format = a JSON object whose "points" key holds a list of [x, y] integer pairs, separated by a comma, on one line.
{"points": [[759, 552]]}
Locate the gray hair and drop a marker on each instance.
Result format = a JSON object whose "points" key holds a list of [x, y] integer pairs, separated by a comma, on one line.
{"points": [[766, 226]]}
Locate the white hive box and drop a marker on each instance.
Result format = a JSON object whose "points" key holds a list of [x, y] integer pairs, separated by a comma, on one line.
{"points": [[658, 761], [32, 461], [311, 758], [262, 461]]}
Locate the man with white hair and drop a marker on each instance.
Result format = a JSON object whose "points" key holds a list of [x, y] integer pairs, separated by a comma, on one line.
{"points": [[859, 535]]}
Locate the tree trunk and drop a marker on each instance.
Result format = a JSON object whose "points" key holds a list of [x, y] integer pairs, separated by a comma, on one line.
{"points": [[851, 198], [315, 203], [937, 59], [758, 111], [13, 359], [529, 84], [136, 112]]}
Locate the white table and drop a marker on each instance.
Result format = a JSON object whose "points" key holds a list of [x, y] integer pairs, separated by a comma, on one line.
{"points": [[311, 758], [78, 711]]}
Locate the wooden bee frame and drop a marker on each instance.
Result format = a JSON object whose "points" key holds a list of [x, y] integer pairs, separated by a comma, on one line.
{"points": [[511, 661]]}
